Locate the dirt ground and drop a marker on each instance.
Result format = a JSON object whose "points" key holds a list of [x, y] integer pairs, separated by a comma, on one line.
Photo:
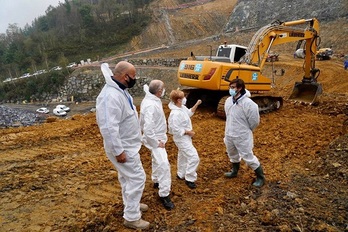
{"points": [[56, 177]]}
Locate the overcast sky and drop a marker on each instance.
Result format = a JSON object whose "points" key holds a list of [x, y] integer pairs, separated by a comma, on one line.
{"points": [[22, 11]]}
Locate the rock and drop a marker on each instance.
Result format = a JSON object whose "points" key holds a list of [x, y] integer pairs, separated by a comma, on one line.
{"points": [[291, 195], [220, 210], [51, 119], [336, 165]]}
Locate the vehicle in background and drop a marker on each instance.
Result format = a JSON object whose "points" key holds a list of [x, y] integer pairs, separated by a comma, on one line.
{"points": [[59, 112], [56, 68], [71, 65], [324, 54], [8, 79], [25, 75], [43, 110], [39, 72], [63, 107]]}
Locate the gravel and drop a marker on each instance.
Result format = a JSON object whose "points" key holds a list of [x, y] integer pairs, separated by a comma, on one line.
{"points": [[10, 117], [16, 115]]}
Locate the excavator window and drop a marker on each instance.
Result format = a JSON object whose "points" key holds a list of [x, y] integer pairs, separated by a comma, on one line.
{"points": [[240, 52], [224, 51]]}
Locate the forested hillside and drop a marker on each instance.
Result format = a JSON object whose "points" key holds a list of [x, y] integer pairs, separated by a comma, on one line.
{"points": [[72, 31]]}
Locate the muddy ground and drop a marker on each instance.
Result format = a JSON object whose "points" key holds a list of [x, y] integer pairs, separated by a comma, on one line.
{"points": [[56, 177]]}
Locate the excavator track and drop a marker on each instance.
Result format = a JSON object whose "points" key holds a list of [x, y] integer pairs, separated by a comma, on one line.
{"points": [[268, 103], [216, 100], [220, 110]]}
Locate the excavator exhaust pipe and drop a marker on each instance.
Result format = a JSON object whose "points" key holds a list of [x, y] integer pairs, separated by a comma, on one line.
{"points": [[306, 92]]}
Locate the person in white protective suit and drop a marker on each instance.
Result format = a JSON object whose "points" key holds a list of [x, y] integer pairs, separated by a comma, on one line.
{"points": [[118, 123], [180, 126], [242, 117], [154, 127]]}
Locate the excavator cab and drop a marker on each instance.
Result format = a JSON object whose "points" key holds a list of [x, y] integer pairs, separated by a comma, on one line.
{"points": [[308, 90]]}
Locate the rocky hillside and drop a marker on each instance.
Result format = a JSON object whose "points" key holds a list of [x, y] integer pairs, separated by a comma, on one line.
{"points": [[255, 14], [194, 26]]}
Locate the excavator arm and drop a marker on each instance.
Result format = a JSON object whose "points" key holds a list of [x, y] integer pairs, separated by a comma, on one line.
{"points": [[280, 33], [284, 32]]}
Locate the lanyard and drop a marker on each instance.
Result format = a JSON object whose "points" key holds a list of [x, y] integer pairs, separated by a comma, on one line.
{"points": [[129, 99]]}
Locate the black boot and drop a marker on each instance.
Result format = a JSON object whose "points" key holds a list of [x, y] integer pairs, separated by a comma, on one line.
{"points": [[233, 173], [167, 203], [260, 177], [190, 184]]}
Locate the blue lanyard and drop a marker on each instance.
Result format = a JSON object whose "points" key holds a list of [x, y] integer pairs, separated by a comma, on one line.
{"points": [[129, 99]]}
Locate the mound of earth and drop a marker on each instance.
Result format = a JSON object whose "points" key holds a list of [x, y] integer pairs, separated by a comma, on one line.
{"points": [[55, 176]]}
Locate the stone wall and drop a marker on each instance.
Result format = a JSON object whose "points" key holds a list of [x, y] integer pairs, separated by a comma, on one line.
{"points": [[85, 83]]}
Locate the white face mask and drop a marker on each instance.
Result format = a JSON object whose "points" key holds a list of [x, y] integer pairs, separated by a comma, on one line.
{"points": [[184, 100], [163, 92]]}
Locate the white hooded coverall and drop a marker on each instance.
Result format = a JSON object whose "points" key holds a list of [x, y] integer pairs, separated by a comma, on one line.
{"points": [[242, 117], [154, 127], [188, 160], [118, 123]]}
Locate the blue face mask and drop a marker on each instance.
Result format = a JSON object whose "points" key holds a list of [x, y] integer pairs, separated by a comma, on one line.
{"points": [[232, 92]]}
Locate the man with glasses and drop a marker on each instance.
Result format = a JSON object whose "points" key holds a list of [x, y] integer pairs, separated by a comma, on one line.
{"points": [[118, 122], [242, 117]]}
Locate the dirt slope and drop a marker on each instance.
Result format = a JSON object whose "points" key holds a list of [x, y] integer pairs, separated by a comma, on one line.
{"points": [[55, 176]]}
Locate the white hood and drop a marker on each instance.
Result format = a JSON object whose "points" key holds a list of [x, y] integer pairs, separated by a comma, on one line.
{"points": [[150, 96], [247, 93], [172, 106], [146, 89], [107, 73]]}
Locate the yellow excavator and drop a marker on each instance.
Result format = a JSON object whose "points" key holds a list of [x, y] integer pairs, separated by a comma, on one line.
{"points": [[207, 78]]}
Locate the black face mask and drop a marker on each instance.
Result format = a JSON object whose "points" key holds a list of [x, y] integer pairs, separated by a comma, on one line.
{"points": [[131, 82]]}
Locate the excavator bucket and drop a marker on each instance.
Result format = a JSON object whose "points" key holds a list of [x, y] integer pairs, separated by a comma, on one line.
{"points": [[306, 92]]}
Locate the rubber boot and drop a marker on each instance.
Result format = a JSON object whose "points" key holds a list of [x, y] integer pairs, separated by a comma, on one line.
{"points": [[260, 177], [233, 173]]}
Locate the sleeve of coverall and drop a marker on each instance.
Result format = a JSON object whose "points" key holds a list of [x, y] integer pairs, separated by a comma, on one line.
{"points": [[253, 115], [113, 115], [150, 126], [176, 125], [188, 111]]}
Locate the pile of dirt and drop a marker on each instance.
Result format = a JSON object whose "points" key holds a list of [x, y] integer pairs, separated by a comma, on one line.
{"points": [[56, 177]]}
